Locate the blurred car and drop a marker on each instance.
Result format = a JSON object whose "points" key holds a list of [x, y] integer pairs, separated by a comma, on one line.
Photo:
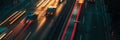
{"points": [[32, 17], [50, 11]]}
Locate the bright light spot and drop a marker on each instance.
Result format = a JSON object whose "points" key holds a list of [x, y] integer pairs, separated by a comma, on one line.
{"points": [[80, 1], [2, 35]]}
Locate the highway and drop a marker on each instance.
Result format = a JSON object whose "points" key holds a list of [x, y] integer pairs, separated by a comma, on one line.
{"points": [[55, 20], [94, 23]]}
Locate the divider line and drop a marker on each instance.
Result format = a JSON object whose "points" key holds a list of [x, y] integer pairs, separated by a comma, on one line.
{"points": [[18, 17], [8, 18], [15, 16], [20, 34]]}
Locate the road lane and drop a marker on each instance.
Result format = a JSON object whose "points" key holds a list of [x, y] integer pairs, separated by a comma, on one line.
{"points": [[14, 31], [56, 29], [38, 11], [47, 23], [50, 21], [12, 26], [23, 30], [77, 17], [93, 24], [12, 9]]}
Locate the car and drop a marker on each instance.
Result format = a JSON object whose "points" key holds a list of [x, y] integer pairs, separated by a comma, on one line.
{"points": [[31, 17], [50, 11]]}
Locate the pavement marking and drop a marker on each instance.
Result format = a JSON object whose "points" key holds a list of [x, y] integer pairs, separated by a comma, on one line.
{"points": [[8, 18], [1, 36], [15, 16], [18, 17], [27, 35], [40, 3]]}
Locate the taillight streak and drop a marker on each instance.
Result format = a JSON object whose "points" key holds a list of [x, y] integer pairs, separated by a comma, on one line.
{"points": [[75, 24], [17, 38], [66, 27]]}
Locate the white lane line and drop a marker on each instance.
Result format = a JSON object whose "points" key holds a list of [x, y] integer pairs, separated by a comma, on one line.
{"points": [[27, 35]]}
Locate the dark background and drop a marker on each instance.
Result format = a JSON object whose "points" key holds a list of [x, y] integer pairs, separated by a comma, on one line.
{"points": [[114, 10]]}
